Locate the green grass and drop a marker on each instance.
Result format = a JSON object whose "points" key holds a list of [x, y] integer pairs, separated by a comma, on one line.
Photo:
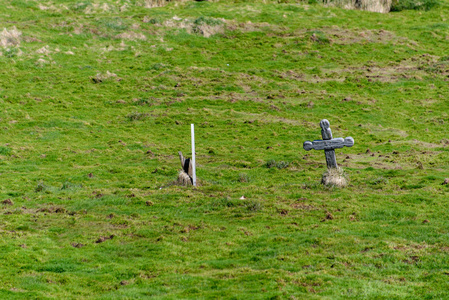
{"points": [[97, 99]]}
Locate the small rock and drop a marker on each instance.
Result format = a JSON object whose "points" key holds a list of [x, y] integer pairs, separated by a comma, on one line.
{"points": [[242, 198], [446, 181]]}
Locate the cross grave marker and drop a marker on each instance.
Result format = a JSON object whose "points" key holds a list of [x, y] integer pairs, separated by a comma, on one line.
{"points": [[328, 144]]}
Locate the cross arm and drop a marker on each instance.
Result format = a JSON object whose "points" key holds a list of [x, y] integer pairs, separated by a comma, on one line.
{"points": [[329, 144]]}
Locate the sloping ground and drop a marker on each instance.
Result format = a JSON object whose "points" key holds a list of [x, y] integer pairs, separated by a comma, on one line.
{"points": [[97, 99]]}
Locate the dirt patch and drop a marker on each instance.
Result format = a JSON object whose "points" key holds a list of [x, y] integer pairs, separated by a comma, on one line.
{"points": [[416, 67], [102, 239], [77, 245], [348, 37], [311, 78], [8, 202], [410, 248], [303, 206], [52, 209], [189, 228], [341, 36]]}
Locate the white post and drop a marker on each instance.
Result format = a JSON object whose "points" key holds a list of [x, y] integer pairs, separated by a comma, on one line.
{"points": [[193, 155]]}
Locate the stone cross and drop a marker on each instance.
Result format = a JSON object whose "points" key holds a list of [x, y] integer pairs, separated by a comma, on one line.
{"points": [[328, 144]]}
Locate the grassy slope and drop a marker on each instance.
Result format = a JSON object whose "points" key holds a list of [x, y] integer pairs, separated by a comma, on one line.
{"points": [[255, 91]]}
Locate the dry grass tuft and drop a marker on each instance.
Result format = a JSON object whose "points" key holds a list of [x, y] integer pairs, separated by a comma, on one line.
{"points": [[131, 36], [44, 50], [10, 38], [158, 3], [206, 27], [154, 3], [335, 177]]}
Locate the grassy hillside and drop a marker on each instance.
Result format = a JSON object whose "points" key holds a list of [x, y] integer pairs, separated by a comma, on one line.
{"points": [[97, 98]]}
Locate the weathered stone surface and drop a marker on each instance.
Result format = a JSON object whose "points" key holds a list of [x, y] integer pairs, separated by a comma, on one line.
{"points": [[328, 144], [185, 176]]}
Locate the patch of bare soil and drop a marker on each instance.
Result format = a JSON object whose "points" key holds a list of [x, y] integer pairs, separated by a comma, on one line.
{"points": [[8, 202], [189, 228], [348, 37], [415, 67], [341, 36], [52, 209], [293, 75], [102, 239], [303, 206], [77, 245]]}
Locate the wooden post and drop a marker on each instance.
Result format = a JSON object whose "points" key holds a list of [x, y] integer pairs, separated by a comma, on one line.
{"points": [[193, 155]]}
